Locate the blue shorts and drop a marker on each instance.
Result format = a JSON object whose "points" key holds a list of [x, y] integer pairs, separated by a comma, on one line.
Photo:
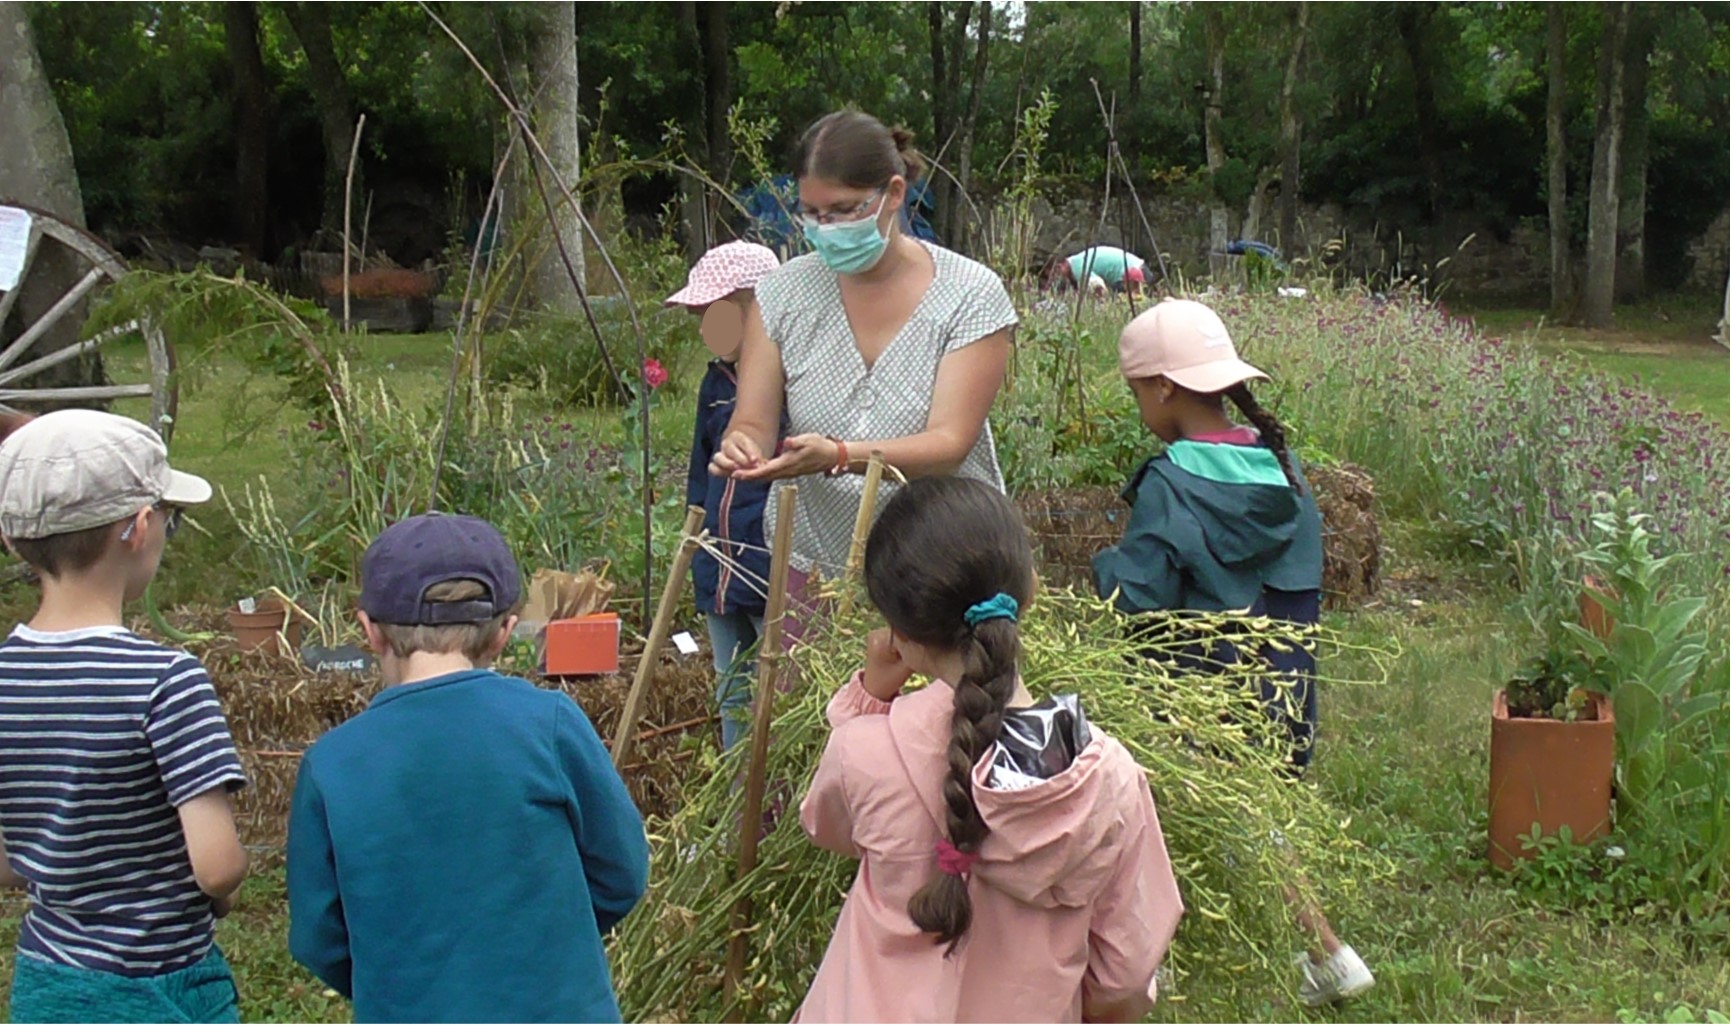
{"points": [[46, 992]]}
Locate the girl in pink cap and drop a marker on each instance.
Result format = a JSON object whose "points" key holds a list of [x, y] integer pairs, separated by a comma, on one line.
{"points": [[730, 591], [1222, 520], [1011, 862]]}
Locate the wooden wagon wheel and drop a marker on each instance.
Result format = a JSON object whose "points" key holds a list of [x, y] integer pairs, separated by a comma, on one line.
{"points": [[101, 266]]}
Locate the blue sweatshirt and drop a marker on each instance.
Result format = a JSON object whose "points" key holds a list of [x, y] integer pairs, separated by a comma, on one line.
{"points": [[456, 852]]}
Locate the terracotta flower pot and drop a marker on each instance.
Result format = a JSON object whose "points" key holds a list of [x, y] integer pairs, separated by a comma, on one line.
{"points": [[1595, 618], [260, 629], [1550, 772]]}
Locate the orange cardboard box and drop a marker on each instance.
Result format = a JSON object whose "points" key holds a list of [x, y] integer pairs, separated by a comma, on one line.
{"points": [[583, 646]]}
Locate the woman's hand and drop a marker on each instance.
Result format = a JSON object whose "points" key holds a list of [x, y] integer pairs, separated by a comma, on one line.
{"points": [[738, 453], [885, 672], [801, 455]]}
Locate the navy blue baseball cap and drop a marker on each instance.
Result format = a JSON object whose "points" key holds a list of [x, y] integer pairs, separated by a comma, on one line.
{"points": [[412, 556]]}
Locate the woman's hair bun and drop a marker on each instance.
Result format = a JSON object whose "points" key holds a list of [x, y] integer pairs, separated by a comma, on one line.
{"points": [[911, 157]]}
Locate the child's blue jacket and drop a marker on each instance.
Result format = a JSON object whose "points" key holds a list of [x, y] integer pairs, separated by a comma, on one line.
{"points": [[456, 852]]}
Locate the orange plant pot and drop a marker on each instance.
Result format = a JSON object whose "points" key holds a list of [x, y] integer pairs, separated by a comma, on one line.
{"points": [[1549, 772], [264, 628], [585, 646], [1595, 618]]}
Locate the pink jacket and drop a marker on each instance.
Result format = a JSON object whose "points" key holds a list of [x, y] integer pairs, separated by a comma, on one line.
{"points": [[1074, 899]]}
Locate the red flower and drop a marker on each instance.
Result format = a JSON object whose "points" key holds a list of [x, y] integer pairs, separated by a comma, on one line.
{"points": [[654, 374]]}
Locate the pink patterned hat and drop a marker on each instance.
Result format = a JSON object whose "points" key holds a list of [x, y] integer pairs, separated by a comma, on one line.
{"points": [[723, 271]]}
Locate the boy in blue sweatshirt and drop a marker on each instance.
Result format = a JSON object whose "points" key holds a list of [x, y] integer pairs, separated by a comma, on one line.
{"points": [[457, 850], [732, 593]]}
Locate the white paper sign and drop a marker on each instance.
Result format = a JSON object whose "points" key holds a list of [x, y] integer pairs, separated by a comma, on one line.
{"points": [[14, 245], [686, 644]]}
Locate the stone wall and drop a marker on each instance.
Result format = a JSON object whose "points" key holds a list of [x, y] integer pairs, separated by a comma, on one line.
{"points": [[1477, 262]]}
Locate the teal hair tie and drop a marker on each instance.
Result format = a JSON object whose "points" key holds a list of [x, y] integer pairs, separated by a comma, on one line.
{"points": [[998, 606]]}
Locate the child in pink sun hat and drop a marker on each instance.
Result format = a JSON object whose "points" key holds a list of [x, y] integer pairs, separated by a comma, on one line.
{"points": [[730, 590]]}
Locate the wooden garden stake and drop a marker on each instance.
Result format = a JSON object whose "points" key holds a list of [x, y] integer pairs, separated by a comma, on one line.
{"points": [[633, 710], [348, 209], [862, 526], [769, 656]]}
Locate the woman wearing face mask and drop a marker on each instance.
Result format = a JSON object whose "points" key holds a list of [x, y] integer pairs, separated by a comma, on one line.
{"points": [[874, 341]]}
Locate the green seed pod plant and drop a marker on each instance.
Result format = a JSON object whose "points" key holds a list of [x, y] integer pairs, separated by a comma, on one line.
{"points": [[1237, 829]]}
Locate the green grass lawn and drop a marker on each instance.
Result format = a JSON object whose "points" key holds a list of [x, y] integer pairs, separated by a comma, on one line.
{"points": [[1405, 762], [1664, 346]]}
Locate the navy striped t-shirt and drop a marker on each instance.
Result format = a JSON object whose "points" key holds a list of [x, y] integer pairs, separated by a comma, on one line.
{"points": [[102, 736]]}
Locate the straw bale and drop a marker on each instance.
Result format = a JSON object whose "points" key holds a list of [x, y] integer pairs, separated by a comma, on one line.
{"points": [[1351, 536], [1069, 526], [276, 709]]}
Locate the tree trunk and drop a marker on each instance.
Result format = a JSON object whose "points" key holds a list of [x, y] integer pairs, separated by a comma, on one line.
{"points": [[693, 205], [1557, 156], [950, 214], [717, 88], [553, 65], [36, 169], [1290, 130], [252, 126], [1600, 292], [1215, 145], [1130, 142], [1723, 334], [1632, 202], [942, 192], [311, 23], [965, 133], [1414, 22]]}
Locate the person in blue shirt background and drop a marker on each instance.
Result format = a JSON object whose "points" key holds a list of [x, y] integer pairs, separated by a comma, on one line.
{"points": [[457, 850], [731, 592]]}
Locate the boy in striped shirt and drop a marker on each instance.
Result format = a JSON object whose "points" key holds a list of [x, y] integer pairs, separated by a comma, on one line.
{"points": [[116, 764]]}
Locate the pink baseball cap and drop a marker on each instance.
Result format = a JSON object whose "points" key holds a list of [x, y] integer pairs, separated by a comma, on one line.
{"points": [[1135, 274], [1184, 341], [723, 271]]}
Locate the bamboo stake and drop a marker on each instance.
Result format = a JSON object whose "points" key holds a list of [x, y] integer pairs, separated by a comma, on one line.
{"points": [[862, 525], [633, 709], [769, 656], [348, 211]]}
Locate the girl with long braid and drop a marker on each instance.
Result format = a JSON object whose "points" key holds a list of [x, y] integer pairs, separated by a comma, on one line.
{"points": [[1011, 862], [1221, 521]]}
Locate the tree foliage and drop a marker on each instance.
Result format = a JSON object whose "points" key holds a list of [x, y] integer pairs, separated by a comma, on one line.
{"points": [[1414, 114]]}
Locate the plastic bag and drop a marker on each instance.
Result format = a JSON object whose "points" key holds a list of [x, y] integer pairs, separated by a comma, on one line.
{"points": [[1038, 743]]}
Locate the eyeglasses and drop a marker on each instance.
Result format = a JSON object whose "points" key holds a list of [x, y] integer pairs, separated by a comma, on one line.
{"points": [[807, 219], [172, 515]]}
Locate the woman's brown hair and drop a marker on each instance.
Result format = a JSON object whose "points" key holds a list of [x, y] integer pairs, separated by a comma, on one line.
{"points": [[855, 149], [941, 546]]}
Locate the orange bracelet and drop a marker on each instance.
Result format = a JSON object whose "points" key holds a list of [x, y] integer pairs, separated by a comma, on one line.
{"points": [[841, 461]]}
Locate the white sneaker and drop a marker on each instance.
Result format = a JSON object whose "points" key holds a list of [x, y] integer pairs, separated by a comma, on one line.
{"points": [[1343, 975]]}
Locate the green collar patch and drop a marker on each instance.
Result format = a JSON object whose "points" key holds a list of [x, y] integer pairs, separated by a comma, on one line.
{"points": [[1226, 463]]}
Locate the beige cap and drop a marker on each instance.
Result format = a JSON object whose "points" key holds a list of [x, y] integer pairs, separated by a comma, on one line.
{"points": [[75, 469], [1185, 342]]}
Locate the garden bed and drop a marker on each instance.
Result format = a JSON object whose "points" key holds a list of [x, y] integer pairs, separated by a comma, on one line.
{"points": [[276, 708]]}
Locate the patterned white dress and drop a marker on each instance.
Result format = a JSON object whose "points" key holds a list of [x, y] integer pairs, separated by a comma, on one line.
{"points": [[831, 391]]}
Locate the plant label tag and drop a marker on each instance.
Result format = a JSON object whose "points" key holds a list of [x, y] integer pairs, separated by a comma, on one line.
{"points": [[248, 606], [686, 644], [345, 658]]}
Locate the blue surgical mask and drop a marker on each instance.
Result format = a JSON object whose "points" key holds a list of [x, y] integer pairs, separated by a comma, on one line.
{"points": [[850, 248]]}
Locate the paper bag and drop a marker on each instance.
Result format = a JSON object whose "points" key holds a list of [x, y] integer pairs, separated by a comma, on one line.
{"points": [[556, 595]]}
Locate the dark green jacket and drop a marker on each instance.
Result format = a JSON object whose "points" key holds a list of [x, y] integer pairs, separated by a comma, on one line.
{"points": [[1212, 525]]}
